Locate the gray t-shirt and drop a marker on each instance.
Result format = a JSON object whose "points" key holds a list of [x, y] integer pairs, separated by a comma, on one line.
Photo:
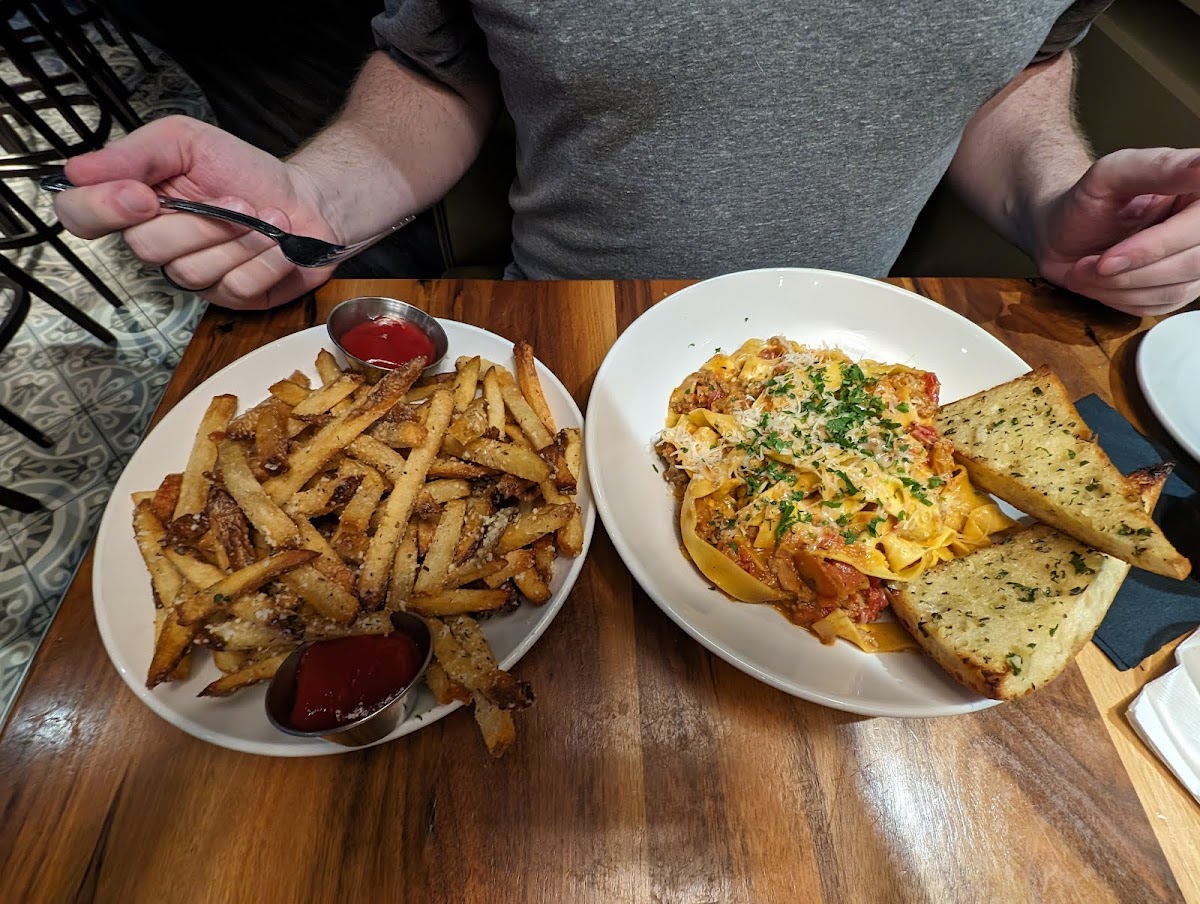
{"points": [[658, 138]]}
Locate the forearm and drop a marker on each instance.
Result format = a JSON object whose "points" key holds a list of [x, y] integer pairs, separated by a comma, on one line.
{"points": [[1022, 150], [401, 142]]}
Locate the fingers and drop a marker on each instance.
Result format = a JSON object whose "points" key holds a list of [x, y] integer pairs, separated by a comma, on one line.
{"points": [[1142, 300], [201, 269], [1140, 171], [175, 235], [264, 281], [97, 210], [1142, 250], [152, 154], [1178, 268]]}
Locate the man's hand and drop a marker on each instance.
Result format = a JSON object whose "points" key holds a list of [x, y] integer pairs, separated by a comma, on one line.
{"points": [[228, 265], [399, 144], [1128, 232]]}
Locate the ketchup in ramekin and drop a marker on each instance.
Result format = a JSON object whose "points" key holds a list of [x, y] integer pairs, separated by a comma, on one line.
{"points": [[387, 342], [340, 681]]}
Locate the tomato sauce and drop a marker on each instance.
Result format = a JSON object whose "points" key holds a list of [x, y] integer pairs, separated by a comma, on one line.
{"points": [[340, 680], [387, 342]]}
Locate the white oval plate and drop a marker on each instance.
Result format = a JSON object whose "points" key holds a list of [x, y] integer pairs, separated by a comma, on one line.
{"points": [[121, 585], [1168, 365], [628, 405]]}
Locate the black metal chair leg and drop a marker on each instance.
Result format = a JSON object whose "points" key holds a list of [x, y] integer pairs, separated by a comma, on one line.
{"points": [[19, 501], [12, 200], [56, 301], [25, 428], [111, 16]]}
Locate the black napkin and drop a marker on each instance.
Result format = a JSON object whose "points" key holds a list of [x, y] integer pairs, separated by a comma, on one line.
{"points": [[1150, 610]]}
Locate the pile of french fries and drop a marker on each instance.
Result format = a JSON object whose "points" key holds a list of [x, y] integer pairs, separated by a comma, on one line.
{"points": [[324, 508]]}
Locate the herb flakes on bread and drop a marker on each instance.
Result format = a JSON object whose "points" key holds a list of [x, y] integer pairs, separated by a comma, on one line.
{"points": [[1024, 442], [1009, 618]]}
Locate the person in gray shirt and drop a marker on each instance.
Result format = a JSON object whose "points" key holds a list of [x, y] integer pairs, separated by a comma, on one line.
{"points": [[660, 139]]}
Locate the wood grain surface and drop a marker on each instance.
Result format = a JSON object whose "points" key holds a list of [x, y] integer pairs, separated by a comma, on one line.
{"points": [[648, 770]]}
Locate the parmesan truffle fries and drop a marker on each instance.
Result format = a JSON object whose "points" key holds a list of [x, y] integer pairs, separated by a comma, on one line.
{"points": [[318, 510]]}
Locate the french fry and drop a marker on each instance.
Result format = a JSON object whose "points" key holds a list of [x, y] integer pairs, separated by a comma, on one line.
{"points": [[496, 726], [327, 367], [543, 556], [165, 579], [240, 635], [335, 436], [425, 528], [271, 436], [453, 467], [326, 596], [230, 530], [437, 492], [480, 673], [380, 456], [530, 525], [466, 379], [351, 539], [377, 564], [229, 660], [166, 497], [523, 413], [320, 401], [514, 563], [399, 434], [172, 644], [432, 573], [479, 508], [327, 493], [519, 461], [289, 392], [494, 399], [530, 383], [444, 690], [457, 602], [532, 587], [260, 509], [253, 673], [195, 571], [570, 536], [329, 562], [404, 571], [200, 604], [193, 488]]}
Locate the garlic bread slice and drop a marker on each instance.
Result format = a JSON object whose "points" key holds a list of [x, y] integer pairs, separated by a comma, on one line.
{"points": [[1024, 442], [1009, 618]]}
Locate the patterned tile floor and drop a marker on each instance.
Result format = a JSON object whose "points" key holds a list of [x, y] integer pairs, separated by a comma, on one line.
{"points": [[94, 400]]}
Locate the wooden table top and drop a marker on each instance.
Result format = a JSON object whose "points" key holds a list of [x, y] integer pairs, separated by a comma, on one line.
{"points": [[648, 768]]}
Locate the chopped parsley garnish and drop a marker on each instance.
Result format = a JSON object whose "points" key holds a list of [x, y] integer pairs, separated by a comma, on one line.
{"points": [[1080, 566], [1025, 594], [850, 487], [917, 490]]}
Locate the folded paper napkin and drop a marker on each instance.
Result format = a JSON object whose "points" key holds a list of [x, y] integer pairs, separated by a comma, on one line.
{"points": [[1150, 611], [1166, 715]]}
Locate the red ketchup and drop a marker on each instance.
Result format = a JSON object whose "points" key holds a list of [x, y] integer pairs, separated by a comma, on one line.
{"points": [[387, 342], [340, 680]]}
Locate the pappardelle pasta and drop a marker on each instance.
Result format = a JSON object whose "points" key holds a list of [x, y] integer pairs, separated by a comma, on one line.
{"points": [[809, 481]]}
